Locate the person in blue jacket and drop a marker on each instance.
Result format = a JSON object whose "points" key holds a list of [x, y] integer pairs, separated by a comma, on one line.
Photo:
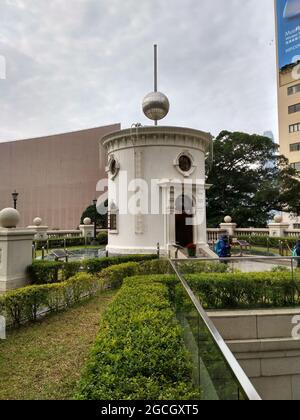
{"points": [[296, 252], [223, 247]]}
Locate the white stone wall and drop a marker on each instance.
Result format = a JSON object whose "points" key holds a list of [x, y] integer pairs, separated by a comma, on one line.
{"points": [[150, 154]]}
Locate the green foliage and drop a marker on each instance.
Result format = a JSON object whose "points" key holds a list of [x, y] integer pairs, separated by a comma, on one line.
{"points": [[101, 220], [25, 304], [60, 242], [139, 353], [265, 241], [245, 290], [102, 238], [280, 269], [95, 266], [45, 272], [71, 268], [249, 181], [115, 274]]}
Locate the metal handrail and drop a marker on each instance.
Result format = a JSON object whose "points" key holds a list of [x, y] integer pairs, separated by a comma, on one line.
{"points": [[178, 247], [229, 358]]}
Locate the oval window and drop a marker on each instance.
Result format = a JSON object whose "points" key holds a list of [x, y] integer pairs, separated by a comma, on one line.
{"points": [[185, 163]]}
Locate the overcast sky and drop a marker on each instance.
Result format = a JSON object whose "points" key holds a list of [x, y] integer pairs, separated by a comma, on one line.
{"points": [[76, 64]]}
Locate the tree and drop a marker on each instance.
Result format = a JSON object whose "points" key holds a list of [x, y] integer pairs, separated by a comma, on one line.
{"points": [[250, 181], [102, 220]]}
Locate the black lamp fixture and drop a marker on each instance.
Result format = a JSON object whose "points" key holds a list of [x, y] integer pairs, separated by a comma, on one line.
{"points": [[15, 196]]}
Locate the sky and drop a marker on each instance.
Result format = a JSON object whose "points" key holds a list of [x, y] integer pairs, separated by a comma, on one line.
{"points": [[67, 65]]}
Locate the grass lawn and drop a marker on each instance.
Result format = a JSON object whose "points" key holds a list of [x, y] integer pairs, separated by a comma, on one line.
{"points": [[44, 360]]}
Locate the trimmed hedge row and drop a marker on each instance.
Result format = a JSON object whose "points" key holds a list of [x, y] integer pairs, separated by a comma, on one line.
{"points": [[59, 242], [45, 272], [265, 241], [139, 353], [114, 275], [246, 290], [27, 303], [237, 290]]}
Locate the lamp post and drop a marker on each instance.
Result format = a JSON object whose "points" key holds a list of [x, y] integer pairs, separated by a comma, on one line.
{"points": [[15, 196], [95, 222]]}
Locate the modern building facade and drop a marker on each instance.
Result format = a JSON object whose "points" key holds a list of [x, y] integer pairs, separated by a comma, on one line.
{"points": [[55, 176], [288, 75], [289, 116]]}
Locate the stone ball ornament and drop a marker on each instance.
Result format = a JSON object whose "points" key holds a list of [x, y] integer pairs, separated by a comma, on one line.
{"points": [[9, 218], [228, 219], [156, 106], [278, 218], [87, 221], [37, 222]]}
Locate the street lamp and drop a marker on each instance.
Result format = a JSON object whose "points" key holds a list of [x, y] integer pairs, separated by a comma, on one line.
{"points": [[15, 196], [95, 222]]}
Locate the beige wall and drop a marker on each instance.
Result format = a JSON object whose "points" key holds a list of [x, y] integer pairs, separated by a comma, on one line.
{"points": [[261, 341], [56, 176], [286, 138]]}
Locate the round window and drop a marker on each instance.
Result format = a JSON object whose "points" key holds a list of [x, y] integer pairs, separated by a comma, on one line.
{"points": [[185, 163]]}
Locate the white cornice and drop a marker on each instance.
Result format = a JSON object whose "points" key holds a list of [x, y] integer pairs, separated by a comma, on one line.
{"points": [[157, 136]]}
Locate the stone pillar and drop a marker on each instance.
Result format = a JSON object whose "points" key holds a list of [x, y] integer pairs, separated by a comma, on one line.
{"points": [[15, 251], [87, 229], [41, 231], [200, 228], [277, 228], [228, 226]]}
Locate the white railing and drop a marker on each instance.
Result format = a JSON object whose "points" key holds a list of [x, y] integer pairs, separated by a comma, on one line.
{"points": [[213, 235], [252, 232], [64, 233], [292, 233]]}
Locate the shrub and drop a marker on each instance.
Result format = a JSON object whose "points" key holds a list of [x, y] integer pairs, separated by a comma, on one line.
{"points": [[70, 269], [60, 242], [25, 304], [44, 272], [139, 353], [102, 238], [114, 276], [265, 241], [95, 266], [245, 290]]}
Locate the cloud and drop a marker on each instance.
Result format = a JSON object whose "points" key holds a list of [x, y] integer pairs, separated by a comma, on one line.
{"points": [[74, 64]]}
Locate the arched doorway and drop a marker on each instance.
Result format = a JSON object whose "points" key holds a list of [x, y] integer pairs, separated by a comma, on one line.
{"points": [[184, 229]]}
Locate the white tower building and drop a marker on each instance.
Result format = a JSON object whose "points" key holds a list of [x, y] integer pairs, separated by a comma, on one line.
{"points": [[157, 189]]}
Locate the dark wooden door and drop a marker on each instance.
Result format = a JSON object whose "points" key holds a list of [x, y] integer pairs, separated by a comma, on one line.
{"points": [[184, 232]]}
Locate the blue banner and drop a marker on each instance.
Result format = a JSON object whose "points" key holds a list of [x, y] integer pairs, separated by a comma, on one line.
{"points": [[288, 26]]}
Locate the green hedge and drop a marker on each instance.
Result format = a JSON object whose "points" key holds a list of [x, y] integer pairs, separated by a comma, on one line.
{"points": [[139, 353], [45, 272], [265, 241], [115, 275], [25, 304], [59, 242], [246, 290], [102, 238]]}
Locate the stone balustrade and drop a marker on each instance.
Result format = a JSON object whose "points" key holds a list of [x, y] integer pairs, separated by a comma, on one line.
{"points": [[275, 229]]}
